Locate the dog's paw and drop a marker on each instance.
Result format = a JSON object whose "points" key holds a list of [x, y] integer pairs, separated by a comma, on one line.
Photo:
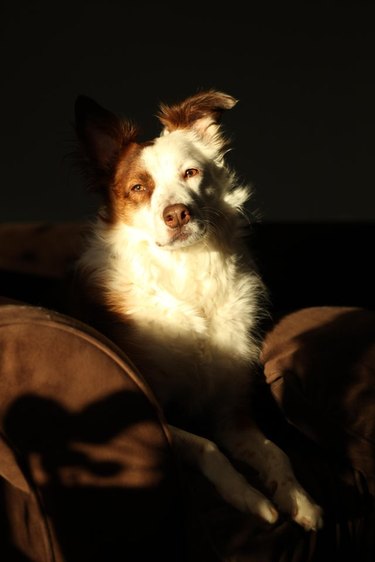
{"points": [[303, 510], [267, 511], [259, 505], [307, 514], [250, 500]]}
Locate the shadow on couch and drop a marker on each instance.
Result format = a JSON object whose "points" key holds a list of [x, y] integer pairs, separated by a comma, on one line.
{"points": [[100, 502]]}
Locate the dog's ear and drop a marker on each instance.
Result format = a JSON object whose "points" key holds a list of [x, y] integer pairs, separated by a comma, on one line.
{"points": [[102, 134], [201, 112]]}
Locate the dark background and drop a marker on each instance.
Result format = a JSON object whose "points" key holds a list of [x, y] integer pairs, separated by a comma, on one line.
{"points": [[302, 132]]}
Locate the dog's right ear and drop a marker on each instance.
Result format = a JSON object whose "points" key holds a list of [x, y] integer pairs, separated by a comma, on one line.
{"points": [[102, 134]]}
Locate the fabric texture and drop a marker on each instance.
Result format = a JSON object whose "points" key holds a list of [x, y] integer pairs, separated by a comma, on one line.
{"points": [[320, 365], [85, 458]]}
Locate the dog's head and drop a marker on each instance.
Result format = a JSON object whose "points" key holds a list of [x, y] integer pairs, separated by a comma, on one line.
{"points": [[172, 191]]}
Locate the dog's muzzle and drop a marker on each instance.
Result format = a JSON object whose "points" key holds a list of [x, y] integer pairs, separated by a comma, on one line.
{"points": [[182, 228]]}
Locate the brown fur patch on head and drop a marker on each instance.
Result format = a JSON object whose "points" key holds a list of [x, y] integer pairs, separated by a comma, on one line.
{"points": [[132, 185]]}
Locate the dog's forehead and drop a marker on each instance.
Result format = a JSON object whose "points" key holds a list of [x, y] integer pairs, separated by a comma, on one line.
{"points": [[171, 152]]}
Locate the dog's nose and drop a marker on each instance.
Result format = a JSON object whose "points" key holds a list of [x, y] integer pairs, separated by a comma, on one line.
{"points": [[176, 215]]}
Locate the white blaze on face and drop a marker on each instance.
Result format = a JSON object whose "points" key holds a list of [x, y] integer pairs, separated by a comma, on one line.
{"points": [[167, 161]]}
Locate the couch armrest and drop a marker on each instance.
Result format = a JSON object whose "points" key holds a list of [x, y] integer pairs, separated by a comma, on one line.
{"points": [[88, 472]]}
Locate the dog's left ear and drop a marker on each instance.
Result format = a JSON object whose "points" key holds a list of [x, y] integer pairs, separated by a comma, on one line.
{"points": [[200, 112], [102, 134]]}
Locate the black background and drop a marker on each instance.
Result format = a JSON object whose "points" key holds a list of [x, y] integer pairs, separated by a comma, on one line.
{"points": [[302, 132]]}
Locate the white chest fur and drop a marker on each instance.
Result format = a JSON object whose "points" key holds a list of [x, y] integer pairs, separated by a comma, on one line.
{"points": [[201, 298]]}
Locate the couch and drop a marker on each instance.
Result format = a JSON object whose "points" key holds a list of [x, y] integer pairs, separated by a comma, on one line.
{"points": [[87, 470]]}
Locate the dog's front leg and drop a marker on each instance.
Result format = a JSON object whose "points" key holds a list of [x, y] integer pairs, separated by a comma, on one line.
{"points": [[250, 445], [231, 485]]}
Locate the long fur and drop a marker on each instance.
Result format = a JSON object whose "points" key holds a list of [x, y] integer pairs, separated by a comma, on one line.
{"points": [[169, 266]]}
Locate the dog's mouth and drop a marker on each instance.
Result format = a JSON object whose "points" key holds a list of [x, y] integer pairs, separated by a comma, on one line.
{"points": [[182, 237]]}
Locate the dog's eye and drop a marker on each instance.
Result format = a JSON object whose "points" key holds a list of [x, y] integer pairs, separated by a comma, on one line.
{"points": [[138, 187], [191, 172]]}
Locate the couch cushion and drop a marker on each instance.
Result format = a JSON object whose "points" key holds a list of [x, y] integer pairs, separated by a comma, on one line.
{"points": [[86, 466], [320, 365], [43, 249]]}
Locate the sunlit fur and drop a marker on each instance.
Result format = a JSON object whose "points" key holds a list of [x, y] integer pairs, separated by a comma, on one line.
{"points": [[192, 293], [167, 259]]}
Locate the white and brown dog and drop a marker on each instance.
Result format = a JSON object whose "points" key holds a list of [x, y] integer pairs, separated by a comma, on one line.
{"points": [[167, 260]]}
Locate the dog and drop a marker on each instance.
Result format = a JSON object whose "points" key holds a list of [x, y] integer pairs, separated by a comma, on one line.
{"points": [[167, 262]]}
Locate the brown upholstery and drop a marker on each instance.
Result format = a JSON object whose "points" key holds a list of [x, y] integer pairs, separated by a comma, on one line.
{"points": [[85, 461], [320, 364], [40, 248]]}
